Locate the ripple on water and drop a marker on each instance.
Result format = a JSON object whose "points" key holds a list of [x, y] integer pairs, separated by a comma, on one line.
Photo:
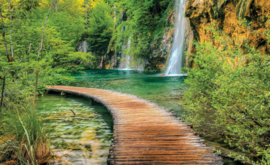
{"points": [[81, 139]]}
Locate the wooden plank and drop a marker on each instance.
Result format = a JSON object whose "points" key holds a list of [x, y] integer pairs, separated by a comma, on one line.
{"points": [[145, 133]]}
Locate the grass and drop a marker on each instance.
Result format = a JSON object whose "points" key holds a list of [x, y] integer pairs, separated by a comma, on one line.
{"points": [[24, 139]]}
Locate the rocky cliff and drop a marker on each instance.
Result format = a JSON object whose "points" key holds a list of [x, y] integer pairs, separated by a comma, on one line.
{"points": [[162, 47], [226, 15]]}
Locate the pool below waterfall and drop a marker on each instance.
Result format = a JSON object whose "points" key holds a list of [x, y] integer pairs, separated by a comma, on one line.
{"points": [[82, 130]]}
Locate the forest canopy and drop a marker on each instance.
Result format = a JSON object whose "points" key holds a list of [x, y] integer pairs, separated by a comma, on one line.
{"points": [[43, 42]]}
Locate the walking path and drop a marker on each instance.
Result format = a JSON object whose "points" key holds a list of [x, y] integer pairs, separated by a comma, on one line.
{"points": [[145, 133]]}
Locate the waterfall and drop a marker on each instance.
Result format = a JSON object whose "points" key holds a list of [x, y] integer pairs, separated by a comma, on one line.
{"points": [[240, 9], [177, 53], [126, 58], [83, 46], [128, 55], [122, 64]]}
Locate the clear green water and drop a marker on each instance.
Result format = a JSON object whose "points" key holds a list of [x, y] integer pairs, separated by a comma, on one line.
{"points": [[85, 139], [81, 139], [161, 90]]}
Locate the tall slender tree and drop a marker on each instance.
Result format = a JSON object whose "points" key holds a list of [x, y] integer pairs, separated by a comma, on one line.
{"points": [[4, 34], [86, 14], [11, 43], [39, 51], [55, 5], [8, 58]]}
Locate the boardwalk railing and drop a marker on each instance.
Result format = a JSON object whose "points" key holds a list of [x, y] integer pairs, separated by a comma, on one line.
{"points": [[145, 133]]}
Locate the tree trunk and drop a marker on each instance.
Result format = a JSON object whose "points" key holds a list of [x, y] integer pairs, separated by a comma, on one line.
{"points": [[11, 44], [40, 48], [9, 60], [29, 51], [101, 63], [55, 6], [114, 14], [30, 45], [3, 34], [86, 14], [2, 93]]}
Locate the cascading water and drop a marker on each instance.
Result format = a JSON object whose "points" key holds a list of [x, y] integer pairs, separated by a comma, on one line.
{"points": [[177, 53], [126, 58], [127, 63], [122, 64], [240, 9], [83, 47]]}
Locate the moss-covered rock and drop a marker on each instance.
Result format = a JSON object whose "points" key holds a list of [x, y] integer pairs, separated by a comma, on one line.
{"points": [[226, 14]]}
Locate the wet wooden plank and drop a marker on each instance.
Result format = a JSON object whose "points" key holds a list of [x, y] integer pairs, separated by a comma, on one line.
{"points": [[145, 133]]}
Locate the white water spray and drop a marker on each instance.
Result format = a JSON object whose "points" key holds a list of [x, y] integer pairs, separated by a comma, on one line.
{"points": [[177, 53], [128, 55], [240, 9], [83, 46], [126, 58]]}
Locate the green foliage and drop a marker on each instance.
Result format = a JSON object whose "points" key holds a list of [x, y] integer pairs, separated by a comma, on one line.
{"points": [[100, 28], [142, 22], [268, 31], [58, 57], [28, 4], [229, 95], [22, 136]]}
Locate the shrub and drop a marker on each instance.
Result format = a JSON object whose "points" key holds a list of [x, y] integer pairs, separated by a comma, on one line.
{"points": [[24, 140], [229, 94]]}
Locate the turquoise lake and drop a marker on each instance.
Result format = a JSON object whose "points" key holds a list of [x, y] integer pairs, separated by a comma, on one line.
{"points": [[82, 130]]}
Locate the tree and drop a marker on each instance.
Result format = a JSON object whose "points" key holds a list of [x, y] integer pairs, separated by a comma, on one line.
{"points": [[229, 94], [11, 43], [100, 28], [40, 48], [142, 22], [28, 4], [27, 76], [57, 56]]}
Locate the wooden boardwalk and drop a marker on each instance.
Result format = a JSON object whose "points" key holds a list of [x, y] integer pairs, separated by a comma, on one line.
{"points": [[145, 133]]}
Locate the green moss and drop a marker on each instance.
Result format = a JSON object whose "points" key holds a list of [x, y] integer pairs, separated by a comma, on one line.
{"points": [[144, 26]]}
